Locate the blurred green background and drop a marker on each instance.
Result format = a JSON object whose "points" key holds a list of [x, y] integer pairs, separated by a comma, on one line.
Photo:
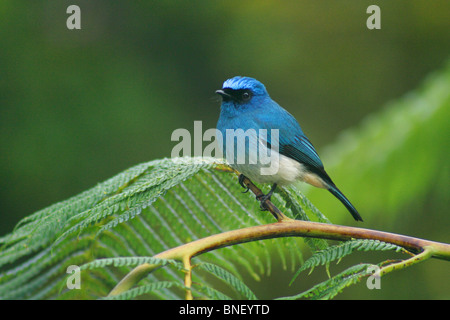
{"points": [[78, 106]]}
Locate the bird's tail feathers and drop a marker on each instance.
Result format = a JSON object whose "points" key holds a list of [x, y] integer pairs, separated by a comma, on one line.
{"points": [[338, 194]]}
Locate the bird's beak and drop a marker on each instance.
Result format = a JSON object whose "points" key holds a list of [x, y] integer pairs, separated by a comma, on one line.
{"points": [[225, 96]]}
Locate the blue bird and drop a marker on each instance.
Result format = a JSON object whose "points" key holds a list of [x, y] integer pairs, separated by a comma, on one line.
{"points": [[246, 105]]}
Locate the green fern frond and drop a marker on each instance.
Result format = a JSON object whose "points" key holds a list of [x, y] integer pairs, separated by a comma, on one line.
{"points": [[140, 194], [229, 278], [145, 289], [206, 292], [329, 288], [294, 200], [343, 249], [141, 212], [128, 262], [300, 203]]}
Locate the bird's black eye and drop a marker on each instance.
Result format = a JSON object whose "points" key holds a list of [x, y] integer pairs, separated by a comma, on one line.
{"points": [[246, 96]]}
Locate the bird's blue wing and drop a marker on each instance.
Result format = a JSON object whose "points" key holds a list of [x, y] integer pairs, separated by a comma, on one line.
{"points": [[292, 141], [300, 149]]}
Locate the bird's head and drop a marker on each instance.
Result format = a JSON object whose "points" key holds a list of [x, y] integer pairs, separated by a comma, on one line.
{"points": [[242, 93]]}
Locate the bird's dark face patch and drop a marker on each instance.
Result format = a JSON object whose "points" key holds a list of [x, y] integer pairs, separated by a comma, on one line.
{"points": [[240, 96]]}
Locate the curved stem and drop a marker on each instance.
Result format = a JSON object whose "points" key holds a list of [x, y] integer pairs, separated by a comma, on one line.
{"points": [[289, 228], [285, 227]]}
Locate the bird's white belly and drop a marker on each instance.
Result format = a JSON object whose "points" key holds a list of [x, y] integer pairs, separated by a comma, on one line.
{"points": [[284, 170], [264, 165]]}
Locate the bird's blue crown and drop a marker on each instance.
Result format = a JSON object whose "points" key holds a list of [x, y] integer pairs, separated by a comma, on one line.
{"points": [[239, 83]]}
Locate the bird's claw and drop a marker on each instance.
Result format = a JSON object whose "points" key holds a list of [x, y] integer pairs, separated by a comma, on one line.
{"points": [[262, 198], [241, 182]]}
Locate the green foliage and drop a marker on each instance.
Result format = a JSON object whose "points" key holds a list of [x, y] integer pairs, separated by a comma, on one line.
{"points": [[398, 154], [161, 204], [343, 249], [330, 288], [143, 211], [145, 289], [128, 261], [230, 279]]}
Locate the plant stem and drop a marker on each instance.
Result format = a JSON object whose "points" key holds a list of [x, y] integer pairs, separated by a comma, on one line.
{"points": [[188, 277], [268, 204], [424, 255], [288, 228], [285, 227]]}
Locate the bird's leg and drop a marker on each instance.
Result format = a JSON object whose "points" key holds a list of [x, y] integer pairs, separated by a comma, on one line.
{"points": [[263, 197], [241, 182]]}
